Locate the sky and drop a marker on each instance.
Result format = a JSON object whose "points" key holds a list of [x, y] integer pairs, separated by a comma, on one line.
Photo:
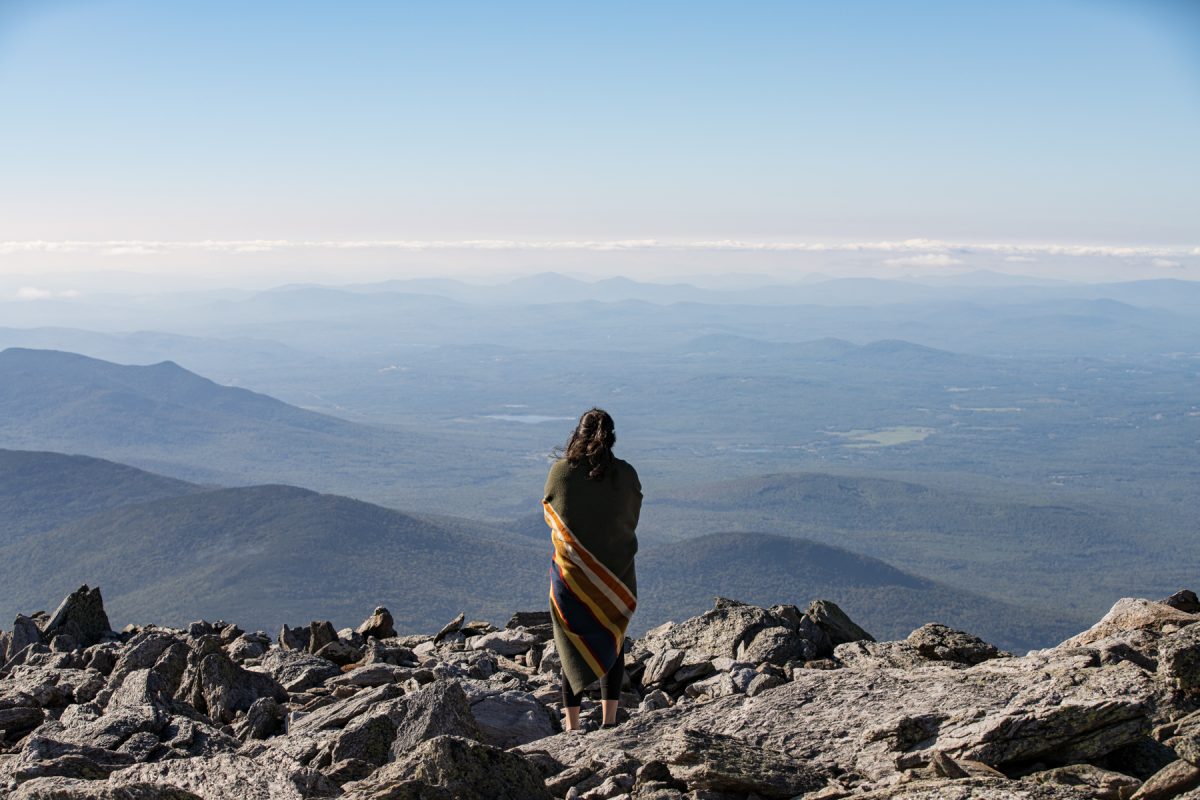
{"points": [[362, 139]]}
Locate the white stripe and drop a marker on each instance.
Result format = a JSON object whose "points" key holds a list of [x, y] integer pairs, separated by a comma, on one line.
{"points": [[617, 602]]}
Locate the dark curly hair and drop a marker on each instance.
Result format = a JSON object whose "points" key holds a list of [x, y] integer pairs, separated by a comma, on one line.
{"points": [[592, 442]]}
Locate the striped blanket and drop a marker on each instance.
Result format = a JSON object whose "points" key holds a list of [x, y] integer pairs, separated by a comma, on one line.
{"points": [[591, 601]]}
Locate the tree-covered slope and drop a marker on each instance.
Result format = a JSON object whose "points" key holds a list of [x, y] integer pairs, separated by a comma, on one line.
{"points": [[40, 491]]}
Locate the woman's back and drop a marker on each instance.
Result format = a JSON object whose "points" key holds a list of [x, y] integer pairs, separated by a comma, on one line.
{"points": [[602, 514]]}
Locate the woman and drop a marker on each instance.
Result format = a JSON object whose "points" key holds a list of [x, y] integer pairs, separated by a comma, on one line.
{"points": [[592, 502]]}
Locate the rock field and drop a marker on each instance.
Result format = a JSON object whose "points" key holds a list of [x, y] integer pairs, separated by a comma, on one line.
{"points": [[739, 703]]}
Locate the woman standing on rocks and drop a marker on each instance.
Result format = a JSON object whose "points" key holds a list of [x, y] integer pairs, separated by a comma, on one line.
{"points": [[591, 503]]}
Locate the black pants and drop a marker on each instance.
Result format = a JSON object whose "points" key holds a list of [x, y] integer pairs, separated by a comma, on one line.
{"points": [[610, 686]]}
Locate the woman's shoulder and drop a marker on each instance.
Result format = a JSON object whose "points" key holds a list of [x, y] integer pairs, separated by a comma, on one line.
{"points": [[626, 468]]}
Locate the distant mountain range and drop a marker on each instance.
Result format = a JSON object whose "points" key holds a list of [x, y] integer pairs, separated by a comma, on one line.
{"points": [[164, 418], [1003, 542], [164, 549]]}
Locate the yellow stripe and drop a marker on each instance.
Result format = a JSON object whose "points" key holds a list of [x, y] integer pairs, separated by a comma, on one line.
{"points": [[557, 526], [568, 550], [577, 587], [582, 648]]}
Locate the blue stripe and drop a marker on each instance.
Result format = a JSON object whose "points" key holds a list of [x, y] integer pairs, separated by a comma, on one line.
{"points": [[582, 622]]}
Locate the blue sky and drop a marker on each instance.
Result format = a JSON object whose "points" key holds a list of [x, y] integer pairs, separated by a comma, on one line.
{"points": [[1015, 122]]}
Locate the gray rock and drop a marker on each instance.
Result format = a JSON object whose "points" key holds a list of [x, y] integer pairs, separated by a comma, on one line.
{"points": [[141, 652], [297, 671], [719, 685], [762, 682], [375, 674], [836, 623], [662, 665], [453, 768], [337, 714], [293, 638], [727, 764], [939, 642], [225, 776], [528, 619], [1103, 784], [864, 654], [320, 633], [511, 718], [975, 788], [1184, 738], [102, 657], [506, 643], [1179, 659], [81, 616], [263, 720], [367, 739], [24, 633], [715, 633], [441, 708], [16, 721], [50, 685], [877, 722], [218, 687], [248, 646], [76, 789], [779, 645], [1183, 600], [450, 627], [379, 624], [1132, 613], [339, 652], [1170, 782]]}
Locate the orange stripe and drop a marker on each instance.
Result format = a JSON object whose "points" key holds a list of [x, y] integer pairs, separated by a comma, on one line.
{"points": [[580, 644], [601, 571], [581, 586]]}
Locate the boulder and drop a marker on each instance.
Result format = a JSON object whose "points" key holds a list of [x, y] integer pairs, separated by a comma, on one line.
{"points": [[339, 652], [506, 642], [24, 633], [510, 718], [976, 788], [1184, 600], [836, 623], [16, 721], [453, 626], [248, 646], [721, 763], [896, 655], [939, 642], [661, 666], [337, 714], [441, 708], [453, 768], [320, 634], [1103, 784], [1179, 660], [81, 616], [297, 671], [293, 638], [715, 633], [143, 651], [263, 720], [76, 789], [220, 688], [1170, 782], [1132, 613], [229, 775], [379, 624], [780, 644]]}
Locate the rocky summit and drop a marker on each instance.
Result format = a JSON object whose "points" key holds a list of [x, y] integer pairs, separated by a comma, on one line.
{"points": [[740, 702]]}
